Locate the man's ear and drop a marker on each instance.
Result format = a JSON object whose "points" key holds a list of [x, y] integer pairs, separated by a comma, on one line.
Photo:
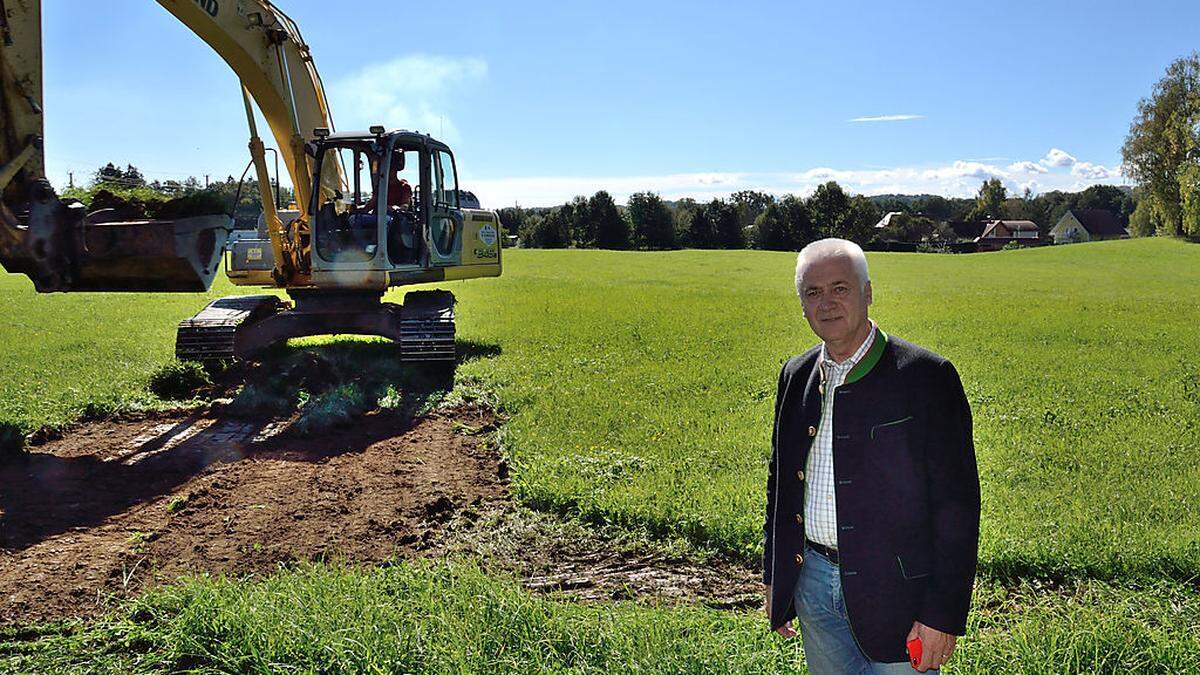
{"points": [[867, 293]]}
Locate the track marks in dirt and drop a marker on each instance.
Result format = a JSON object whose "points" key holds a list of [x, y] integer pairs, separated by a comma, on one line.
{"points": [[116, 505]]}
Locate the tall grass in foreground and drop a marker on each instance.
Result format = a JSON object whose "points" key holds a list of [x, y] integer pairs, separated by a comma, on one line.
{"points": [[437, 618]]}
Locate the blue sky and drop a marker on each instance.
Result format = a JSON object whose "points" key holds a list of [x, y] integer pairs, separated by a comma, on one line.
{"points": [[545, 100]]}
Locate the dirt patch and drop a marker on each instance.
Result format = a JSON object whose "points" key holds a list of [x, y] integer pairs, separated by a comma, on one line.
{"points": [[568, 559], [113, 507]]}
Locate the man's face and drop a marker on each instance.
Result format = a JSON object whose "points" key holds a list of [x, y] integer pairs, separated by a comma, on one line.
{"points": [[835, 300]]}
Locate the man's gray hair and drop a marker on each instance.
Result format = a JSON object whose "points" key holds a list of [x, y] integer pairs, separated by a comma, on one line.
{"points": [[824, 249]]}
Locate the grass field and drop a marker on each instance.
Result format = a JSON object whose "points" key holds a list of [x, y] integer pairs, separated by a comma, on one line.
{"points": [[640, 388], [642, 385], [433, 618]]}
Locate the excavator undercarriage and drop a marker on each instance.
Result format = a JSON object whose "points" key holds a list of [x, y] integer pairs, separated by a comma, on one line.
{"points": [[243, 326]]}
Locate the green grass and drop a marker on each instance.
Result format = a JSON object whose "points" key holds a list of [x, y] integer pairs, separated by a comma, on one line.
{"points": [[640, 388], [62, 352], [438, 618], [641, 385]]}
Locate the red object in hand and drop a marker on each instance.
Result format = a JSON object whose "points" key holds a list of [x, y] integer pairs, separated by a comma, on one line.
{"points": [[914, 652]]}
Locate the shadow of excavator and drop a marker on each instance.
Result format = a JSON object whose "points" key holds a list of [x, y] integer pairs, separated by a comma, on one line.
{"points": [[43, 494]]}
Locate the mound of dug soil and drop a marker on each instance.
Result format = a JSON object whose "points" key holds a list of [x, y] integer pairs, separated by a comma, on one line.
{"points": [[117, 505]]}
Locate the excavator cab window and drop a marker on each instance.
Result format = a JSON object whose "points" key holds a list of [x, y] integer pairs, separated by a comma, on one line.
{"points": [[345, 226], [403, 208], [445, 223]]}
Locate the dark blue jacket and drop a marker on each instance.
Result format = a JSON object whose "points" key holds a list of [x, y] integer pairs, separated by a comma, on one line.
{"points": [[906, 486]]}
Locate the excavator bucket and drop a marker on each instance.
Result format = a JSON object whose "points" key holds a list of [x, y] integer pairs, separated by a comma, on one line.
{"points": [[63, 249], [151, 255]]}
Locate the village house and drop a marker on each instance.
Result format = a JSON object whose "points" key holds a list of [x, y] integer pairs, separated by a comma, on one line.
{"points": [[1088, 225], [999, 233]]}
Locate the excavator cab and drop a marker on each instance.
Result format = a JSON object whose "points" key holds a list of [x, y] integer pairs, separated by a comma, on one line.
{"points": [[398, 214]]}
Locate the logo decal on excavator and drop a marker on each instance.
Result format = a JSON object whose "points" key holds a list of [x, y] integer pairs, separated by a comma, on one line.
{"points": [[487, 234], [209, 6]]}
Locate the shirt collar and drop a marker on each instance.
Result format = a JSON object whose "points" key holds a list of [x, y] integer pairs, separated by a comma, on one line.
{"points": [[857, 356]]}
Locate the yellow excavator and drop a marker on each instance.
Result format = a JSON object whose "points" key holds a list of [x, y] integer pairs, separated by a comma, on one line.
{"points": [[375, 209]]}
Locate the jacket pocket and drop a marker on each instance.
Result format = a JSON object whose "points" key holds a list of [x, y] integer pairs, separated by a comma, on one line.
{"points": [[886, 425], [916, 565]]}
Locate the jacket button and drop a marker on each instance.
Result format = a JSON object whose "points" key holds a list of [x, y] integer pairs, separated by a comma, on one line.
{"points": [[799, 519], [800, 475], [812, 431], [799, 559]]}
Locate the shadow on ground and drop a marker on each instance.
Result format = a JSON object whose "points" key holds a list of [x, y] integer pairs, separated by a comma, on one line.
{"points": [[301, 403]]}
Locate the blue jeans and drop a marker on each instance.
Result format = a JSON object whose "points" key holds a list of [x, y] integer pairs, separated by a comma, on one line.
{"points": [[829, 646]]}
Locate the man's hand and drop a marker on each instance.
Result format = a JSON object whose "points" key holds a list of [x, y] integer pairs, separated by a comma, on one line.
{"points": [[936, 646], [786, 629]]}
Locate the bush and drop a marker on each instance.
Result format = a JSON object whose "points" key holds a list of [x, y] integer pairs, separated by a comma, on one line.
{"points": [[179, 380]]}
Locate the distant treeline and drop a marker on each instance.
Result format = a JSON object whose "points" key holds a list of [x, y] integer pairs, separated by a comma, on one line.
{"points": [[752, 219]]}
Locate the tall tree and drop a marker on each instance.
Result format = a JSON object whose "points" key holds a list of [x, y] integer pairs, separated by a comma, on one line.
{"points": [[548, 231], [612, 230], [729, 231], [109, 175], [512, 219], [989, 202], [1162, 138], [1141, 221], [653, 226], [859, 224], [702, 229], [828, 207], [935, 207], [1107, 197], [749, 204], [583, 231], [682, 212], [772, 230], [133, 177], [801, 230], [1189, 195]]}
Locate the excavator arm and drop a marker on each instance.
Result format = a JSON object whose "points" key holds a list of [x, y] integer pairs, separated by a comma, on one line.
{"points": [[63, 249]]}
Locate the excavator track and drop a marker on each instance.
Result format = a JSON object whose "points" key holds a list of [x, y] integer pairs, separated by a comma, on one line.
{"points": [[427, 326], [211, 335]]}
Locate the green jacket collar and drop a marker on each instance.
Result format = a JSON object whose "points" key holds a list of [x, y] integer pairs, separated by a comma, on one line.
{"points": [[870, 359]]}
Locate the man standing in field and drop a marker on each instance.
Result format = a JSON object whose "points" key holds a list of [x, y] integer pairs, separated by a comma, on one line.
{"points": [[872, 528]]}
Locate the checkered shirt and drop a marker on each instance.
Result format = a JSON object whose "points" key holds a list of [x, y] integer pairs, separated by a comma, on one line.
{"points": [[820, 502]]}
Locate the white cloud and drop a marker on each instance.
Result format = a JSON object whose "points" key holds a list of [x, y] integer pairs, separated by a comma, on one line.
{"points": [[410, 92], [1027, 167], [1058, 158], [955, 179], [1093, 171], [888, 118]]}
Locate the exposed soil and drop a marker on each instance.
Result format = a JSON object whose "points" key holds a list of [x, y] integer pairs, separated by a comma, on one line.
{"points": [[115, 506]]}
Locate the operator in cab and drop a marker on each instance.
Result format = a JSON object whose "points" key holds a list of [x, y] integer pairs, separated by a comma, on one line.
{"points": [[402, 218]]}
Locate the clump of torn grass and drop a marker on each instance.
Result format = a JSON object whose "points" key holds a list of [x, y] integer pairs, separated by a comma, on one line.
{"points": [[329, 384], [179, 380]]}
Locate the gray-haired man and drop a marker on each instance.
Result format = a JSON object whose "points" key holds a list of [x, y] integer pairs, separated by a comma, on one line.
{"points": [[872, 527]]}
